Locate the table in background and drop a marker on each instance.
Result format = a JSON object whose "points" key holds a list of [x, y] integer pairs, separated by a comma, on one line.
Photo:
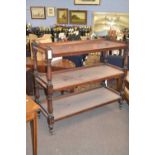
{"points": [[31, 116]]}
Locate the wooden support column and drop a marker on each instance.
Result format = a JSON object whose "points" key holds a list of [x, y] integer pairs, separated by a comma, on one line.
{"points": [[119, 84], [120, 88], [50, 118], [125, 68], [126, 54], [105, 60], [35, 64]]}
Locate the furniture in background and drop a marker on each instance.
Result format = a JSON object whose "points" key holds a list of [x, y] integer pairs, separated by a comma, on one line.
{"points": [[30, 39], [44, 39], [71, 104], [29, 81], [56, 65], [70, 32], [31, 116]]}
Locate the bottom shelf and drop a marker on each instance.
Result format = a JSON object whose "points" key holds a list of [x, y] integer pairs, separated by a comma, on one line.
{"points": [[71, 105]]}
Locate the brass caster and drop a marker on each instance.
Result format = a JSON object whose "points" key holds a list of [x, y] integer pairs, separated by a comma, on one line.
{"points": [[51, 130], [37, 100], [120, 104], [39, 114]]}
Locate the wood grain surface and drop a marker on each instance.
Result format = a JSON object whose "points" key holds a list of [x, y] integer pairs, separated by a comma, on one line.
{"points": [[68, 106], [62, 80], [81, 47]]}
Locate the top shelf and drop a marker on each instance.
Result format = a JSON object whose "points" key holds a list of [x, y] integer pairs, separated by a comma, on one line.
{"points": [[71, 48]]}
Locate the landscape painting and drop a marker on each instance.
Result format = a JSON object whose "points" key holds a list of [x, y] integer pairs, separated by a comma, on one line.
{"points": [[78, 17], [37, 12]]}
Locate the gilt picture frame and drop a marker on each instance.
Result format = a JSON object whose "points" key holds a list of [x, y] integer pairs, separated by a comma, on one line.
{"points": [[78, 17], [87, 2], [38, 12], [62, 16]]}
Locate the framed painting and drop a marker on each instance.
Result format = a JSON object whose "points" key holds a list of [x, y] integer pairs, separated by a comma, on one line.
{"points": [[87, 2], [78, 17], [38, 12], [50, 11], [62, 16]]}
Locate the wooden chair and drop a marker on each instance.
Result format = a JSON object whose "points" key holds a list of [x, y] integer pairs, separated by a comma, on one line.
{"points": [[32, 37], [46, 38], [64, 63]]}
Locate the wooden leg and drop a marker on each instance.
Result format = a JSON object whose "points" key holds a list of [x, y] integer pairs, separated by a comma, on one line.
{"points": [[50, 118], [119, 84], [120, 103], [62, 92], [119, 88], [50, 121], [33, 125], [37, 95]]}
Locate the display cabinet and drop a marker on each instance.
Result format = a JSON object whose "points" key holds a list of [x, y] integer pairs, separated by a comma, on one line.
{"points": [[57, 108]]}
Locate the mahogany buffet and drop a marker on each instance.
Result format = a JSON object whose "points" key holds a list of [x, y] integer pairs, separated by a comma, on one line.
{"points": [[74, 103]]}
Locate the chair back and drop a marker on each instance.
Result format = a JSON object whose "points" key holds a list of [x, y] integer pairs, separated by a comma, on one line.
{"points": [[46, 38]]}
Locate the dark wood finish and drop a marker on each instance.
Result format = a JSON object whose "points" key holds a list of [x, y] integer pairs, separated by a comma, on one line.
{"points": [[31, 116], [126, 88], [82, 47], [50, 118], [126, 54], [61, 80], [29, 82], [78, 11], [119, 84], [35, 62]]}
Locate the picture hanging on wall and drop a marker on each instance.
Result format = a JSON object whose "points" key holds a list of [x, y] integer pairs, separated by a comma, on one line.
{"points": [[78, 17], [62, 16], [38, 12], [50, 11], [87, 2]]}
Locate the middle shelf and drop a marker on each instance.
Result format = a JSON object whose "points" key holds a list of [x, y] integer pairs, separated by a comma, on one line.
{"points": [[73, 77]]}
